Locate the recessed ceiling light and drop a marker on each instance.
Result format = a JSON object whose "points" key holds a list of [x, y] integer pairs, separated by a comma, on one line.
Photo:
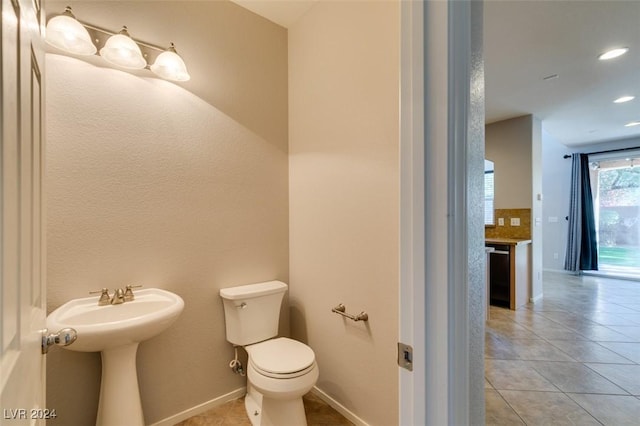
{"points": [[623, 99], [613, 53], [633, 123]]}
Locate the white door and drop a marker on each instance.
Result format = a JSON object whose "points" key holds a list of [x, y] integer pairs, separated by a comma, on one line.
{"points": [[22, 237]]}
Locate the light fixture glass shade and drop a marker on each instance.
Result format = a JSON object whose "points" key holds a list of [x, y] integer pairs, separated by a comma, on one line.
{"points": [[170, 66], [66, 33], [122, 51]]}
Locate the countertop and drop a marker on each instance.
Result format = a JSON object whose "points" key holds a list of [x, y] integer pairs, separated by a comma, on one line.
{"points": [[509, 241]]}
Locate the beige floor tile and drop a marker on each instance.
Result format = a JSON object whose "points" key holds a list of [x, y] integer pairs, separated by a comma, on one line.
{"points": [[606, 318], [586, 351], [233, 412], [575, 377], [599, 333], [498, 348], [586, 345], [618, 410], [535, 350], [625, 376], [630, 331], [516, 375], [498, 412], [547, 408], [509, 329], [629, 350]]}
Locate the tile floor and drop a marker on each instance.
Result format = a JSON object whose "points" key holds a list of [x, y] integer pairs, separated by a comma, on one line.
{"points": [[233, 413], [572, 358]]}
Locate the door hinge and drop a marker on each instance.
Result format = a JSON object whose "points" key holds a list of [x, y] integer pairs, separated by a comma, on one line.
{"points": [[405, 356]]}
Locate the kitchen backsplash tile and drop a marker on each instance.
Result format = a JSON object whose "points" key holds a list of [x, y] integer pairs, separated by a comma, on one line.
{"points": [[507, 230]]}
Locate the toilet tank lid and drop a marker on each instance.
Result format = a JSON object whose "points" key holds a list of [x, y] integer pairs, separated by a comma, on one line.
{"points": [[253, 290]]}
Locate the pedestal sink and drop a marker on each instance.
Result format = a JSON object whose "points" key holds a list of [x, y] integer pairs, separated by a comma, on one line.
{"points": [[116, 331]]}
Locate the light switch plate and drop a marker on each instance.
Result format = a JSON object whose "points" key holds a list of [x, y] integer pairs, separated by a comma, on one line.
{"points": [[501, 221], [515, 221]]}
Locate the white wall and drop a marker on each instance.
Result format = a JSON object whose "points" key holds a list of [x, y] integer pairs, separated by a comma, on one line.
{"points": [[344, 198], [537, 203], [149, 183], [556, 187], [556, 179]]}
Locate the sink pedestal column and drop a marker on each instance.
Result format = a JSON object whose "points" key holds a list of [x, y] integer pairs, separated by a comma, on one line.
{"points": [[120, 402]]}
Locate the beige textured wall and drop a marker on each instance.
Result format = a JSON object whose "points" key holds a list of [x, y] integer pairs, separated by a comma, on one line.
{"points": [[515, 146], [344, 198], [152, 184], [508, 145]]}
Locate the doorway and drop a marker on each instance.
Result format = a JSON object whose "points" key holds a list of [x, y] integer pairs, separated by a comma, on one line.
{"points": [[616, 187]]}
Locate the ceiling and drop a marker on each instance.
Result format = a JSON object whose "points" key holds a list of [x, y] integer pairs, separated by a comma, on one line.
{"points": [[282, 12], [526, 41]]}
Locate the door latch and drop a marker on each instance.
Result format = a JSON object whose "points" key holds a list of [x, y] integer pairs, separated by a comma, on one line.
{"points": [[405, 356]]}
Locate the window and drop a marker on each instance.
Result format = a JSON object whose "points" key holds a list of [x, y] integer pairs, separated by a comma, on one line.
{"points": [[488, 193], [617, 211]]}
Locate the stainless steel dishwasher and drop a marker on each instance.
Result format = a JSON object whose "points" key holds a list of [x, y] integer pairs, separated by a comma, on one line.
{"points": [[500, 275]]}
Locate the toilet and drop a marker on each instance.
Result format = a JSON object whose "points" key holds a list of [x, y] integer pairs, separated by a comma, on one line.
{"points": [[280, 370]]}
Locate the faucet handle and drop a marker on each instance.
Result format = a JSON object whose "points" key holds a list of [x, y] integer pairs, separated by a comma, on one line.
{"points": [[128, 294], [104, 296]]}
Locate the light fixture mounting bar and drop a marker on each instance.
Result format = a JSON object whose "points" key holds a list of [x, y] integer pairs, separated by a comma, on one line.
{"points": [[100, 36]]}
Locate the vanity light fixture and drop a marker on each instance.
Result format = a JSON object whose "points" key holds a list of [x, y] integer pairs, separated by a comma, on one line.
{"points": [[120, 50], [624, 99], [613, 53], [68, 34], [169, 65]]}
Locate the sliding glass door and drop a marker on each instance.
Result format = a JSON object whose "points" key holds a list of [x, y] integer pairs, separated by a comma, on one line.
{"points": [[616, 189]]}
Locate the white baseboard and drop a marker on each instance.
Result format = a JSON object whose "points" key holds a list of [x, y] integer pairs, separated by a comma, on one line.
{"points": [[535, 299], [558, 271], [339, 407], [198, 409]]}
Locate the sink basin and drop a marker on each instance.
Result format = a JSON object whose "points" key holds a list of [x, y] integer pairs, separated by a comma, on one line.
{"points": [[101, 327], [115, 331]]}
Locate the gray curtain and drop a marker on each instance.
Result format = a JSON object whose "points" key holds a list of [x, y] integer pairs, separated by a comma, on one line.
{"points": [[582, 247]]}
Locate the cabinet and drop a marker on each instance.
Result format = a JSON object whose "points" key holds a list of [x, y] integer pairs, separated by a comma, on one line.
{"points": [[509, 276]]}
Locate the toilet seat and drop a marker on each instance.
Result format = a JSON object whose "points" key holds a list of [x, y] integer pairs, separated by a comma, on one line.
{"points": [[281, 358]]}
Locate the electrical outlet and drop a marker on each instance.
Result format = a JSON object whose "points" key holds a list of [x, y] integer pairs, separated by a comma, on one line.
{"points": [[501, 221], [515, 221], [555, 255]]}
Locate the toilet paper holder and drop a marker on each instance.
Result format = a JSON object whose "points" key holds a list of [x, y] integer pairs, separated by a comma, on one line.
{"points": [[341, 310]]}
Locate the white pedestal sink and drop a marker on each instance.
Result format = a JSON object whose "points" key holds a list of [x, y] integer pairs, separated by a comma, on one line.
{"points": [[116, 331]]}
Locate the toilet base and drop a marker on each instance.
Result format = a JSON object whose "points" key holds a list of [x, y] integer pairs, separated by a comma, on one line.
{"points": [[253, 405], [273, 412]]}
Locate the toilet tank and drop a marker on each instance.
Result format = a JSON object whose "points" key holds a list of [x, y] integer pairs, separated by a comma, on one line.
{"points": [[252, 312]]}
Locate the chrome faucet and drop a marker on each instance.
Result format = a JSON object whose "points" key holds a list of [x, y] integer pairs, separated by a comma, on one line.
{"points": [[118, 297], [128, 294], [104, 296]]}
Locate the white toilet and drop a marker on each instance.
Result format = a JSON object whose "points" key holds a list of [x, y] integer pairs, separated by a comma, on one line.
{"points": [[280, 370]]}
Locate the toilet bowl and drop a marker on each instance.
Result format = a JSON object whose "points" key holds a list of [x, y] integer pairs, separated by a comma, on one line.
{"points": [[280, 370]]}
